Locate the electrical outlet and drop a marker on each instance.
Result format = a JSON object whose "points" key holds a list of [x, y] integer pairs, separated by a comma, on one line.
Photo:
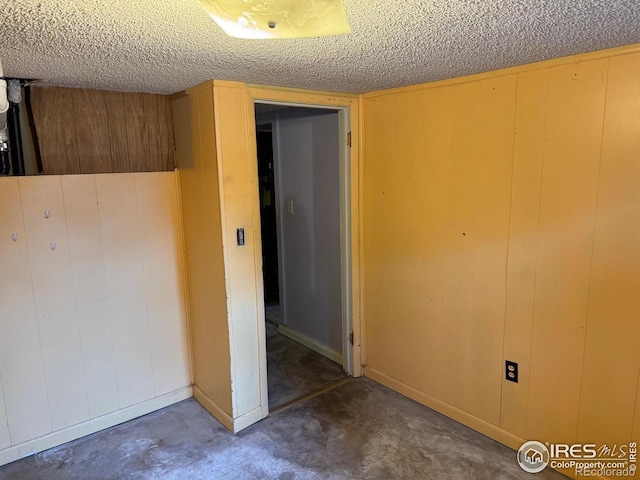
{"points": [[511, 371]]}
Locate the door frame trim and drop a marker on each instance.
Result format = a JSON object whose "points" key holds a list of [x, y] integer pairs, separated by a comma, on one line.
{"points": [[348, 107]]}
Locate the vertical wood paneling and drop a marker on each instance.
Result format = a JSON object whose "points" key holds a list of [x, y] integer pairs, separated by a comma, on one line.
{"points": [[200, 198], [94, 131], [575, 107], [234, 160], [55, 119], [165, 134], [572, 266], [137, 132], [117, 125], [494, 157], [457, 283], [216, 301], [377, 238], [117, 205], [194, 208], [612, 350], [91, 120], [55, 315], [21, 366], [158, 208], [92, 299], [480, 147], [523, 235], [152, 131], [55, 299], [419, 172]]}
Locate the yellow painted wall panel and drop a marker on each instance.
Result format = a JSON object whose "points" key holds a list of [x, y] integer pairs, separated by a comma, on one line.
{"points": [[566, 280], [197, 163], [216, 296], [164, 273], [55, 299], [523, 235], [379, 234], [573, 129], [91, 296], [419, 173], [480, 151], [214, 317], [21, 365], [435, 283], [612, 350], [121, 239], [234, 158]]}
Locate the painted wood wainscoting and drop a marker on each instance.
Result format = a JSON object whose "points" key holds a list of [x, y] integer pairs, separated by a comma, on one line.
{"points": [[92, 311], [517, 196], [216, 156]]}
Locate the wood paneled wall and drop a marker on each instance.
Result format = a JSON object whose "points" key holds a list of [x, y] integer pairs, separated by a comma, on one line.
{"points": [[502, 221], [94, 131], [197, 159], [92, 309]]}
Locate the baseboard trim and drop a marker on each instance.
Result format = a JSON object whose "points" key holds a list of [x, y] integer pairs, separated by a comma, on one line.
{"points": [[232, 424], [460, 416], [479, 425], [54, 439], [219, 414], [312, 344], [247, 419]]}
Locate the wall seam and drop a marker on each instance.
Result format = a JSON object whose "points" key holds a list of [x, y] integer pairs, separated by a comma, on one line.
{"points": [[144, 279], [35, 308], [535, 271], [593, 247], [506, 265], [106, 284], [75, 299]]}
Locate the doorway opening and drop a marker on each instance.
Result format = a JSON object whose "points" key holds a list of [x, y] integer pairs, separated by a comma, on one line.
{"points": [[303, 212]]}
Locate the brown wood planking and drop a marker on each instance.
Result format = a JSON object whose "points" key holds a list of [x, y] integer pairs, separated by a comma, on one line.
{"points": [[165, 124], [117, 123], [136, 135], [94, 151], [151, 132], [93, 131], [53, 111]]}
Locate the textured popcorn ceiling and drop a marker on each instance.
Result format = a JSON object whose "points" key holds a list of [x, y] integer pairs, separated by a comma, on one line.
{"points": [[168, 45]]}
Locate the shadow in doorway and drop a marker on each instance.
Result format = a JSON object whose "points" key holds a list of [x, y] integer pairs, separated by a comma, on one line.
{"points": [[294, 371]]}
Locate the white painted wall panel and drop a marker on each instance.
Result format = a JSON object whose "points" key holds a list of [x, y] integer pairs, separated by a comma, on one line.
{"points": [[118, 209], [307, 164], [55, 299], [80, 324], [21, 366], [92, 299], [161, 249]]}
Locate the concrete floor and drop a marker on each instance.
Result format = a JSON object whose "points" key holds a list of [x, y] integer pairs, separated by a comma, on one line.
{"points": [[357, 430], [294, 371]]}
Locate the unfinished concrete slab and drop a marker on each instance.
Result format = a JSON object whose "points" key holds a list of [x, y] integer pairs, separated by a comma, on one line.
{"points": [[358, 430], [294, 371]]}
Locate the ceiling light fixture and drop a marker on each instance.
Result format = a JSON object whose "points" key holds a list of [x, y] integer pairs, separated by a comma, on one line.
{"points": [[259, 19]]}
